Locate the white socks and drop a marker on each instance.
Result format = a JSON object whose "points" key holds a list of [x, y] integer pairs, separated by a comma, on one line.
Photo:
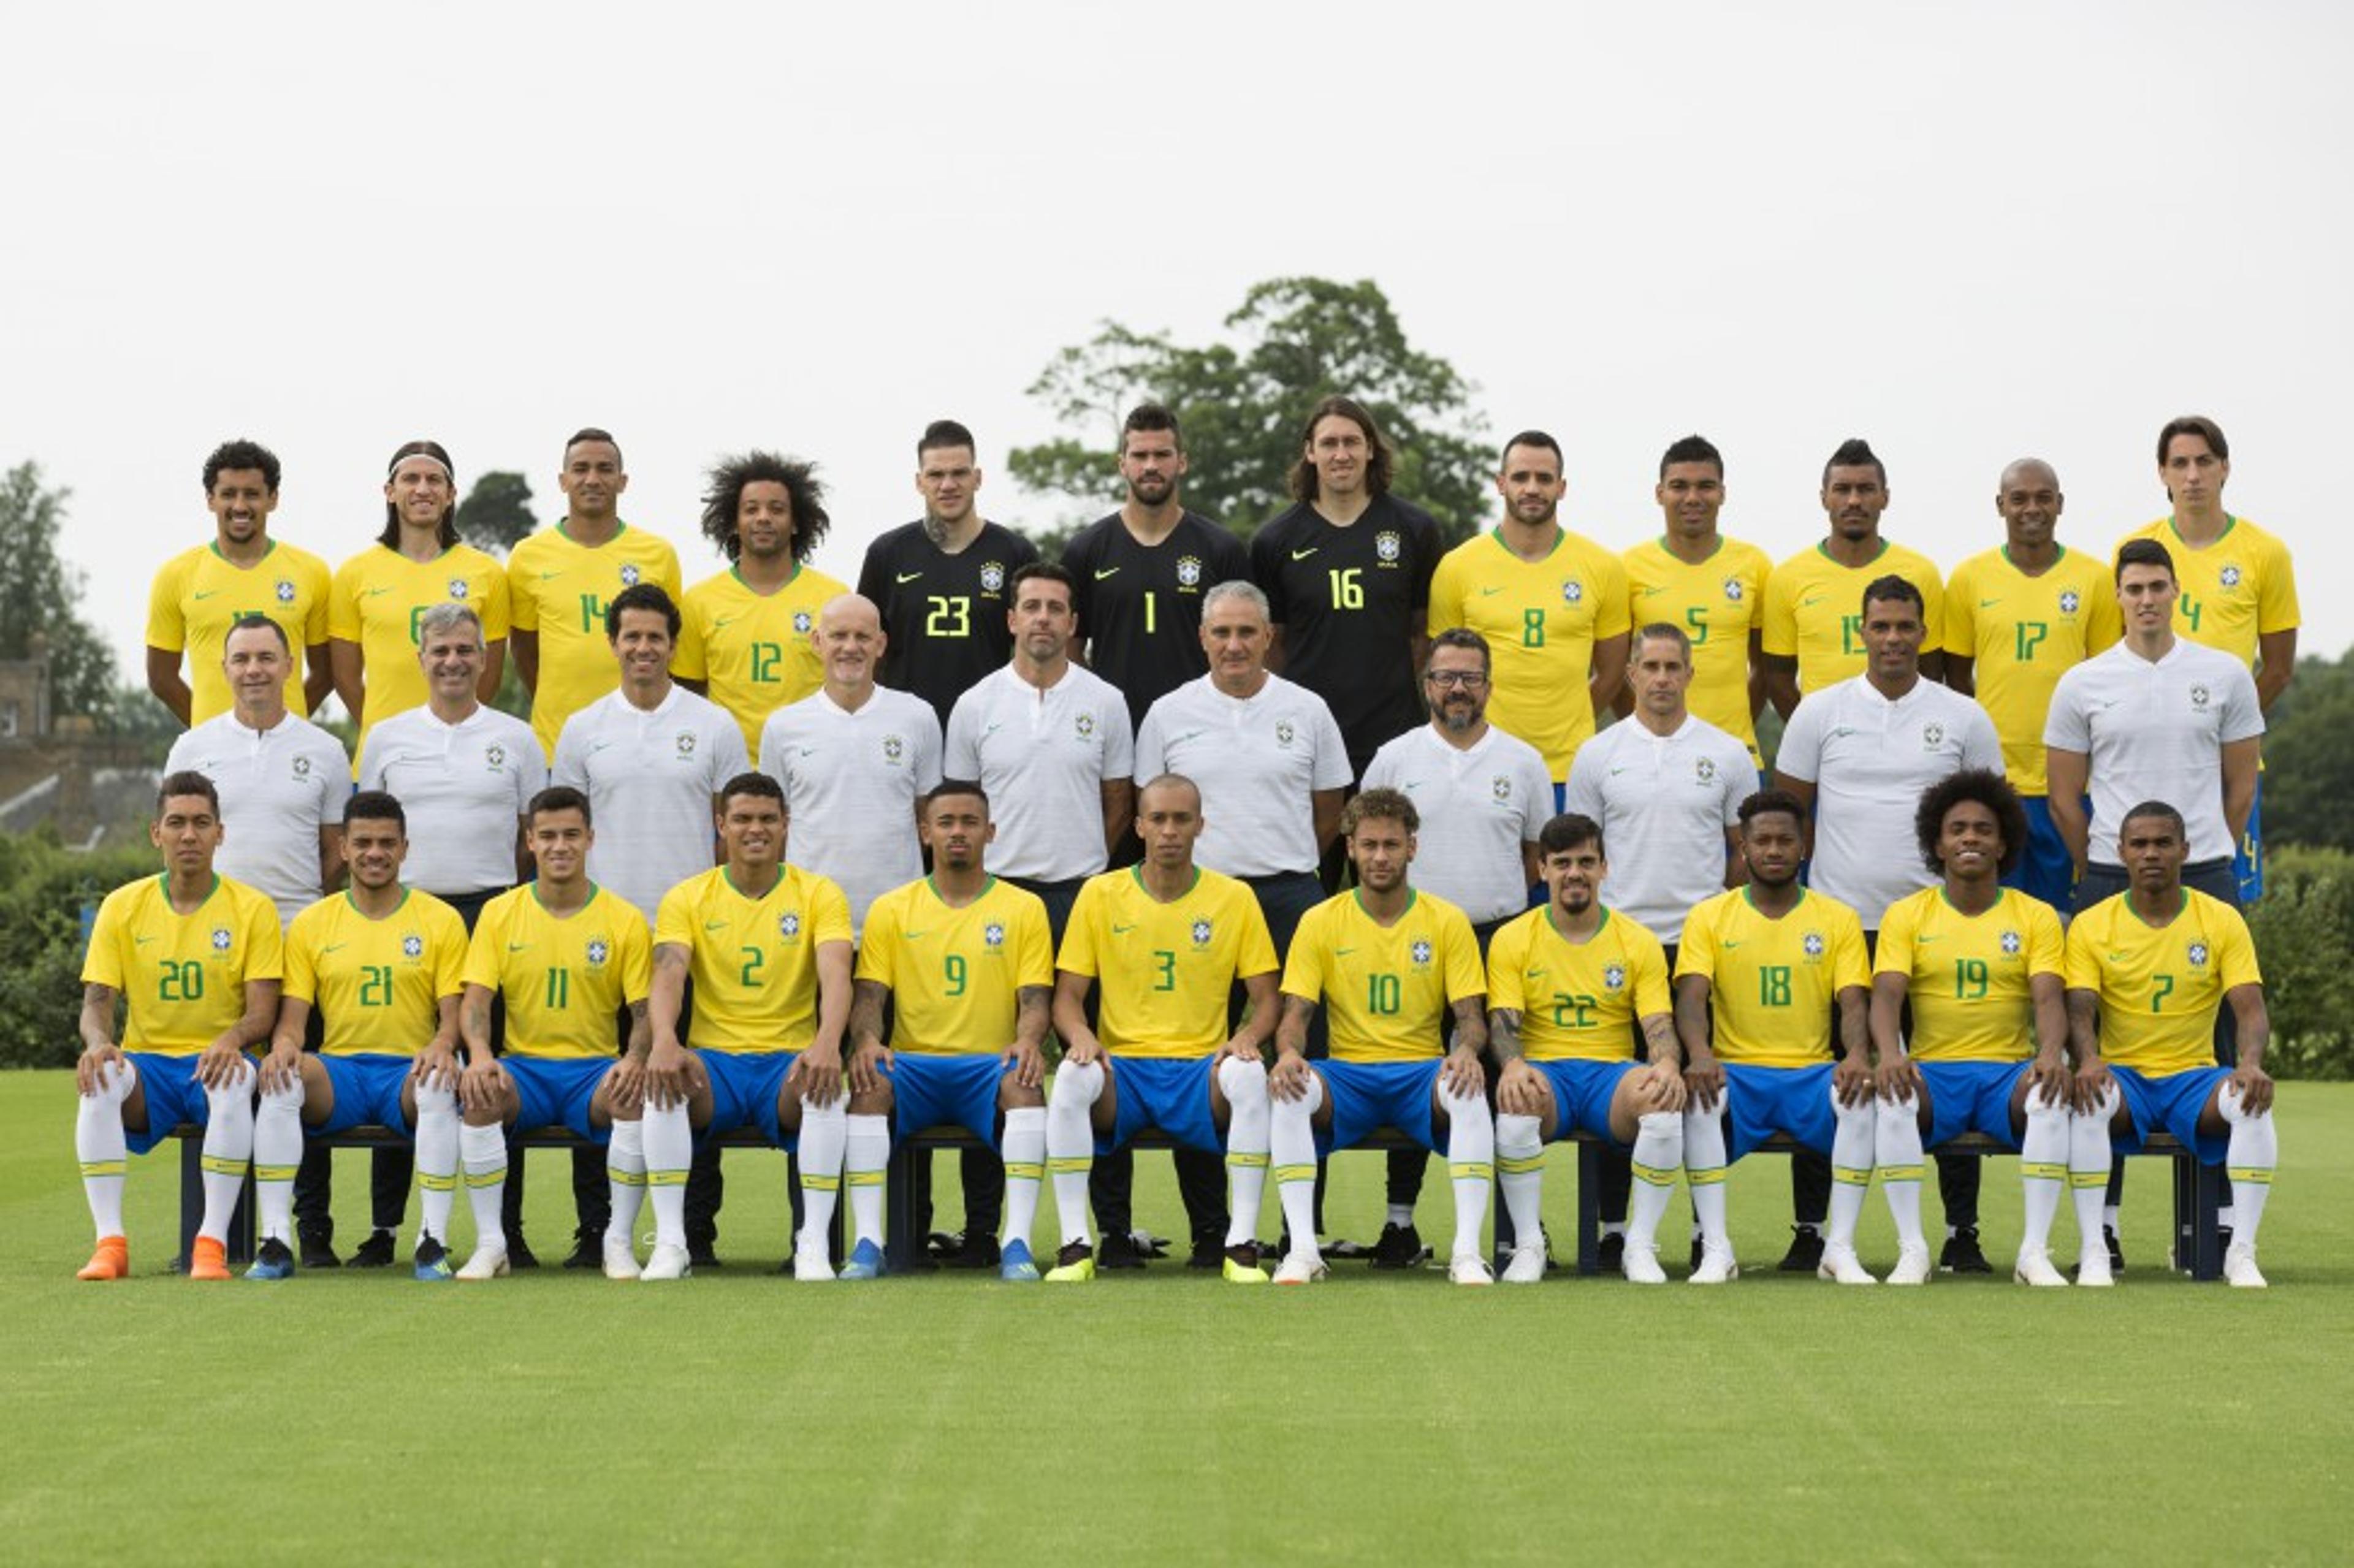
{"points": [[229, 1149], [866, 1151], [1250, 1113], [825, 1128], [277, 1155], [1852, 1140], [1658, 1151], [1705, 1171], [100, 1145], [2042, 1168], [2088, 1171], [1291, 1144], [1470, 1163], [437, 1158], [482, 1151], [667, 1142], [1024, 1149], [1071, 1142], [625, 1170], [2248, 1159], [1520, 1174], [1896, 1149]]}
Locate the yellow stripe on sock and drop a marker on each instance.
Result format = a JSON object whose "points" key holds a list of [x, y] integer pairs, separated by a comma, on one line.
{"points": [[2261, 1175], [2037, 1170], [1071, 1164], [1471, 1171], [863, 1178], [625, 1178], [1849, 1176], [1519, 1165], [434, 1183], [273, 1172], [812, 1184], [1656, 1175], [1248, 1161], [486, 1178], [1024, 1171], [1285, 1174], [1900, 1173], [216, 1166], [105, 1167], [1712, 1176], [664, 1179], [2088, 1178]]}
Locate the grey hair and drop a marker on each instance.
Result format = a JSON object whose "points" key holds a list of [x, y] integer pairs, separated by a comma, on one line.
{"points": [[1238, 588], [447, 615]]}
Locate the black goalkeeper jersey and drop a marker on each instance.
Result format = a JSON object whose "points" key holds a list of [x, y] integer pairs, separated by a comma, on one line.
{"points": [[944, 615], [1140, 605]]}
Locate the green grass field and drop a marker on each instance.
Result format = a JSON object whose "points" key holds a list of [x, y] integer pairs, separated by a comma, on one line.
{"points": [[556, 1417]]}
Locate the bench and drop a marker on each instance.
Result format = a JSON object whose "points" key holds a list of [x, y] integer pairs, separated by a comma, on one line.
{"points": [[2198, 1189]]}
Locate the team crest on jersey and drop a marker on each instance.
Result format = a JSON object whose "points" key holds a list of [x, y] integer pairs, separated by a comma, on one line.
{"points": [[1734, 590], [1573, 592], [2199, 697], [1614, 977], [1501, 786], [1419, 953], [685, 746], [1932, 737], [1086, 725], [993, 935], [286, 591], [2069, 601], [801, 624], [495, 756], [1812, 945], [1188, 571], [789, 925], [1283, 732], [2198, 955], [629, 577], [2011, 944], [2229, 576], [1201, 933], [599, 951], [992, 576], [1704, 768], [301, 767], [1388, 546], [458, 587], [220, 939], [894, 748], [412, 946]]}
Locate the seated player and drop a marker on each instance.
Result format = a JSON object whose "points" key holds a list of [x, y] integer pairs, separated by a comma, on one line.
{"points": [[1772, 963], [195, 957], [1980, 965], [1163, 943], [767, 946], [1387, 961], [382, 965], [2147, 970], [968, 963], [567, 957], [1568, 985]]}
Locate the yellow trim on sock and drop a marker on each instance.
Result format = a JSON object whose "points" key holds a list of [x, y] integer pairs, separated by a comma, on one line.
{"points": [[1851, 1176], [664, 1178], [1712, 1176], [1286, 1175], [434, 1183], [1024, 1171], [1248, 1161], [1071, 1164], [215, 1165], [1900, 1173], [104, 1168], [863, 1178], [1471, 1171], [2088, 1179], [1519, 1164], [2261, 1175], [2039, 1170], [1656, 1175], [625, 1178], [273, 1172], [486, 1178], [811, 1184]]}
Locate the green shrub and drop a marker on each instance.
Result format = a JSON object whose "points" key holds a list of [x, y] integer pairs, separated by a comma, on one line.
{"points": [[44, 887], [2303, 927]]}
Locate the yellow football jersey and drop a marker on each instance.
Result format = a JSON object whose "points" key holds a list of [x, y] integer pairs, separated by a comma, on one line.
{"points": [[1165, 972], [956, 975], [1814, 610], [1773, 983], [1968, 974], [753, 649], [1541, 620], [2021, 634], [558, 590], [565, 979], [2160, 986], [2233, 590], [1577, 1000], [376, 983], [182, 976], [377, 599], [1384, 988], [1718, 604], [198, 595], [753, 960]]}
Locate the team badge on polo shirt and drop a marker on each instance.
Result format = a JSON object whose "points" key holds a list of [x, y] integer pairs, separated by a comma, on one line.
{"points": [[412, 946], [789, 925], [1283, 732], [1188, 571], [1812, 945], [1704, 768], [1614, 977], [286, 590], [1388, 546], [993, 935], [1420, 953], [893, 750], [1933, 735], [2011, 944], [993, 576], [221, 940], [1501, 786], [629, 577], [494, 756], [599, 951], [2200, 696], [301, 767], [1573, 592], [1200, 933], [1734, 590], [2069, 601], [685, 745], [1085, 724], [2198, 955]]}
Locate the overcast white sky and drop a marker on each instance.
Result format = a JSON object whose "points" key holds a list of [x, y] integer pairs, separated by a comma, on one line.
{"points": [[1968, 232]]}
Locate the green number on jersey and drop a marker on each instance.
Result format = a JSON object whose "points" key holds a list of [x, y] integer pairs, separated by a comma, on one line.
{"points": [[1165, 963], [183, 979], [1382, 994], [952, 966], [1696, 618], [753, 959], [592, 614], [559, 985], [2029, 635], [951, 616], [376, 985], [1573, 1012], [1773, 985], [1969, 979], [2191, 610], [1533, 628], [1851, 633], [416, 614], [766, 657], [2163, 985], [1348, 592]]}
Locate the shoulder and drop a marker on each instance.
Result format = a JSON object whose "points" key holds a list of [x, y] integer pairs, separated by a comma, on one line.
{"points": [[432, 911], [176, 568], [251, 905], [296, 561], [1406, 515], [891, 540]]}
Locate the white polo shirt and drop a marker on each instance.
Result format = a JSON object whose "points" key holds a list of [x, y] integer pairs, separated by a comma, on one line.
{"points": [[1256, 761], [1479, 804], [852, 779], [649, 775], [1868, 759], [1043, 757], [278, 788], [462, 786], [2155, 731], [1664, 803]]}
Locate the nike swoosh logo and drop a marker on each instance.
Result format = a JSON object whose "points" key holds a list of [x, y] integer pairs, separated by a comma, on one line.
{"points": [[1189, 735], [724, 621], [599, 746], [1489, 592], [1538, 974], [714, 925], [1926, 940], [1649, 592], [517, 946], [907, 576], [1730, 945], [1616, 772], [1343, 952], [2118, 957], [993, 729], [1103, 572], [807, 750], [1120, 930], [140, 941], [374, 591], [1988, 603], [915, 936], [1303, 555], [333, 948], [545, 575], [207, 593], [1810, 603]]}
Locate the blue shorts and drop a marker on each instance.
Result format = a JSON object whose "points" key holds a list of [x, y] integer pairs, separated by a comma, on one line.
{"points": [[1971, 1096], [555, 1091], [1367, 1096], [936, 1091], [2171, 1102], [1582, 1090], [173, 1095], [1171, 1093], [367, 1094], [2248, 854], [743, 1086], [1763, 1101], [2045, 869]]}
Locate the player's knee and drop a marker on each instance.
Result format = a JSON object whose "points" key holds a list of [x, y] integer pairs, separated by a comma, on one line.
{"points": [[1241, 1082], [1659, 1124], [1011, 1096], [1901, 1109], [2233, 1109], [1077, 1084], [2043, 1104], [876, 1101]]}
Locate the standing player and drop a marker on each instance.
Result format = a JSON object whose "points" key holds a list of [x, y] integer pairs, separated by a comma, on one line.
{"points": [[1761, 973], [939, 583], [1978, 966], [195, 957], [567, 956], [749, 643], [2148, 971], [966, 964], [767, 948], [1141, 571], [380, 596], [1346, 572], [382, 965], [239, 573], [1551, 604], [560, 580], [1569, 987], [1813, 632], [1163, 943], [1387, 961], [1711, 588], [2239, 588]]}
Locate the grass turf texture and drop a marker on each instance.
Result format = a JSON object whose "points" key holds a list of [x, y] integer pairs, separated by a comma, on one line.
{"points": [[557, 1417]]}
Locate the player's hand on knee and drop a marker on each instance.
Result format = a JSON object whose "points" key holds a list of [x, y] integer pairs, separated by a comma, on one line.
{"points": [[2092, 1087], [1026, 1063], [666, 1083], [1852, 1082], [221, 1064], [1081, 1049], [94, 1066], [1462, 1076], [483, 1087], [282, 1069], [1519, 1090], [2051, 1079], [436, 1067], [2255, 1087], [1288, 1080], [1660, 1088], [1898, 1080], [1705, 1081], [625, 1086], [869, 1069]]}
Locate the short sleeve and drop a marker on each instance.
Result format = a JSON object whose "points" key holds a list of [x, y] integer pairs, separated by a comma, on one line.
{"points": [[1119, 737], [1781, 635], [1257, 954], [2243, 715], [637, 960], [344, 603], [1466, 977], [496, 609], [2067, 726], [1445, 608], [102, 964], [881, 945], [1962, 629], [961, 756], [1653, 996], [1894, 954], [1982, 747], [675, 917], [829, 912], [926, 760], [1507, 957], [1614, 618], [1034, 961], [299, 983], [1583, 793], [1303, 966], [1696, 947], [1331, 751], [570, 767], [2276, 594], [2237, 964], [1150, 762], [2047, 948], [1800, 754], [483, 952], [1851, 966], [168, 626], [449, 953], [1079, 954], [2084, 955]]}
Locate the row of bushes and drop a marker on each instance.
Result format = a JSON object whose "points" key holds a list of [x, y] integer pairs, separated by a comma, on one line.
{"points": [[2304, 930]]}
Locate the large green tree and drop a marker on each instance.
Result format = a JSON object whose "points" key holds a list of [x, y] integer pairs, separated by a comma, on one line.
{"points": [[2309, 757], [496, 514], [1241, 401], [41, 595]]}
